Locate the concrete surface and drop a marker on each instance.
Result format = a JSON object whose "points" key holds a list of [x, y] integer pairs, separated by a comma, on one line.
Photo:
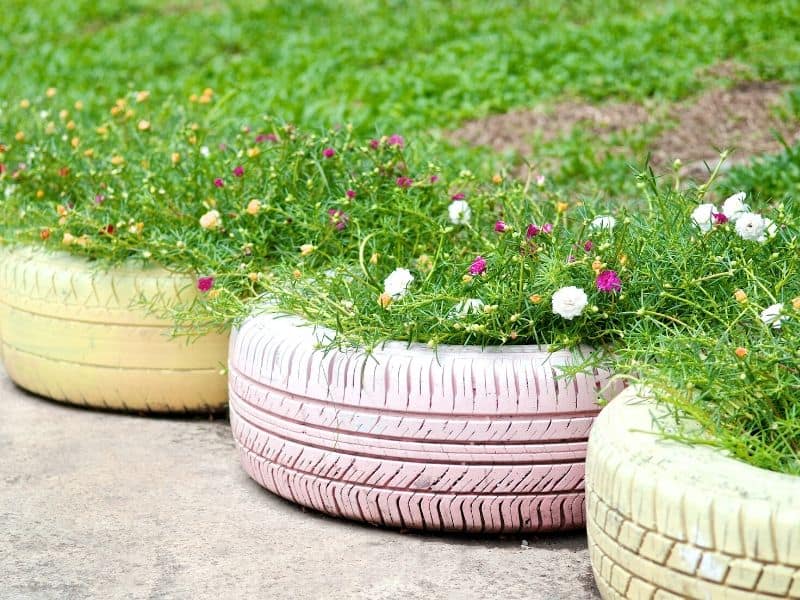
{"points": [[100, 505]]}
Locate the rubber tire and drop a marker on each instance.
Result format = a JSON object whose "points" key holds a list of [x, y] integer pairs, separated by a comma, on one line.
{"points": [[668, 520], [469, 440], [71, 332]]}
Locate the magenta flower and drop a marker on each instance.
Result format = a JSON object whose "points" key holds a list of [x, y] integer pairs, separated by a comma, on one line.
{"points": [[351, 194], [532, 231], [329, 153], [205, 283], [338, 218], [478, 266], [238, 171], [266, 137], [608, 281], [587, 247], [218, 182], [547, 228], [458, 196], [500, 227], [570, 259], [404, 182], [396, 140], [99, 199], [719, 218], [374, 144], [434, 178]]}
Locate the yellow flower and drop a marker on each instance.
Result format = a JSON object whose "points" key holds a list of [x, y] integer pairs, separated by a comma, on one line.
{"points": [[117, 160], [211, 220], [63, 114], [796, 303], [142, 96], [297, 274], [193, 98], [740, 296], [89, 153], [61, 210], [144, 125], [75, 142], [467, 279], [116, 110], [535, 298], [175, 158], [740, 352], [50, 92], [307, 249], [561, 207], [70, 125], [78, 105], [385, 299], [102, 130], [253, 152], [254, 276], [129, 113], [597, 265], [20, 136], [212, 294], [25, 103], [253, 207], [68, 239], [50, 129], [136, 228], [40, 193], [373, 260]]}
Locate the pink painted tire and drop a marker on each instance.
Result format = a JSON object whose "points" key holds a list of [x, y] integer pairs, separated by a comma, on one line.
{"points": [[462, 439]]}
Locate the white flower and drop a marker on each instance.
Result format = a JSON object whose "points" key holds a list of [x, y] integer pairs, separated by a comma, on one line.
{"points": [[205, 152], [465, 307], [396, 284], [9, 191], [460, 212], [772, 315], [603, 222], [734, 206], [703, 216], [211, 220], [569, 302], [752, 226]]}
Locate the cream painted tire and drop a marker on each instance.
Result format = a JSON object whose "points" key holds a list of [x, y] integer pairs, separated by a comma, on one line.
{"points": [[73, 333], [668, 520], [462, 439]]}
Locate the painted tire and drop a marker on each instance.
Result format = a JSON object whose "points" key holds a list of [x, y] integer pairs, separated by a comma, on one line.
{"points": [[466, 440], [72, 333], [668, 520]]}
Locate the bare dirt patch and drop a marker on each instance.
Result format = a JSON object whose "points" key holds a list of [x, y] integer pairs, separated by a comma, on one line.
{"points": [[742, 117]]}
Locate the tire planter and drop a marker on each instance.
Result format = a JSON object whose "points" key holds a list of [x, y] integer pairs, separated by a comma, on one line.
{"points": [[460, 440], [668, 520], [72, 333]]}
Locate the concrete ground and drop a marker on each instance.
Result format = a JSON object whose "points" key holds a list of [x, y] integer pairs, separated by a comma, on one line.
{"points": [[100, 505]]}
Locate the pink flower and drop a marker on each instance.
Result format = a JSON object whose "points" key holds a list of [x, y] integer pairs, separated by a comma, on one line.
{"points": [[547, 228], [374, 144], [500, 227], [238, 171], [218, 182], [396, 140], [338, 218], [608, 281], [328, 152], [532, 231], [434, 178], [205, 283], [458, 196], [99, 199], [351, 194], [587, 247], [570, 259], [266, 137], [719, 218], [478, 266], [404, 182]]}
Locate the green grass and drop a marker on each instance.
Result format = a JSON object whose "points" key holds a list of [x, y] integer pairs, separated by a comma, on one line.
{"points": [[392, 65]]}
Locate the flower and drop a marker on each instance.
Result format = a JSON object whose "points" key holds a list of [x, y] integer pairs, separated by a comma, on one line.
{"points": [[719, 218], [385, 300], [396, 140], [205, 283], [569, 302], [218, 182], [562, 207], [497, 179], [603, 222], [478, 266], [175, 157], [752, 227], [535, 298], [404, 182], [703, 216], [117, 160], [547, 228], [328, 152], [734, 206], [238, 171], [459, 212], [350, 194], [253, 207], [143, 125], [608, 281], [458, 196], [532, 231], [500, 227], [307, 249], [99, 199], [740, 352], [211, 220], [587, 247], [796, 303], [540, 179], [465, 307], [741, 296], [338, 218], [44, 234], [205, 152], [772, 315], [396, 284], [373, 143]]}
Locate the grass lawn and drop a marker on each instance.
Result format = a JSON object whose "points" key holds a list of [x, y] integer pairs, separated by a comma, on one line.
{"points": [[413, 66]]}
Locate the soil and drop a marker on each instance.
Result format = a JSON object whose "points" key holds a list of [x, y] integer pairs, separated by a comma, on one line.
{"points": [[742, 117]]}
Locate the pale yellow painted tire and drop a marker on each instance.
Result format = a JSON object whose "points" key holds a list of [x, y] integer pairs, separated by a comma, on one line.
{"points": [[74, 333], [666, 520]]}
